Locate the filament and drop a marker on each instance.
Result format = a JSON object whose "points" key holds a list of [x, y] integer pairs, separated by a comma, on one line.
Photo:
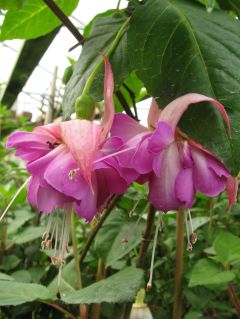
{"points": [[189, 247], [114, 154], [14, 197], [149, 284], [193, 234]]}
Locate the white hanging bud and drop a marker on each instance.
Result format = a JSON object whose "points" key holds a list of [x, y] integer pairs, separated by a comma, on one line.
{"points": [[139, 309]]}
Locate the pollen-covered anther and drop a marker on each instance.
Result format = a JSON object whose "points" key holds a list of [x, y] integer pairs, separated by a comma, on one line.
{"points": [[149, 286], [124, 241], [73, 173], [193, 238], [189, 247]]}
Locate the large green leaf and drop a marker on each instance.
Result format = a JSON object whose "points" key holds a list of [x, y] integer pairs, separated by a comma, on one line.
{"points": [[227, 248], [103, 32], [28, 234], [16, 293], [33, 19], [206, 273], [5, 276], [118, 236], [11, 4], [121, 287], [178, 48]]}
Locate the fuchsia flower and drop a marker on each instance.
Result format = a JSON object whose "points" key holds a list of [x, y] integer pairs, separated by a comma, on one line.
{"points": [[64, 161], [175, 166]]}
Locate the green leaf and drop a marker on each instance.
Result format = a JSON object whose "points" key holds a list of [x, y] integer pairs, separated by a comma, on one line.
{"points": [[121, 287], [9, 262], [33, 20], [5, 276], [199, 222], [227, 248], [16, 293], [206, 273], [177, 48], [22, 276], [67, 281], [104, 30], [22, 216], [11, 4], [28, 234], [118, 236]]}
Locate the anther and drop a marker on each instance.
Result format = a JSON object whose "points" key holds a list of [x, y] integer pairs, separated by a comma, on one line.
{"points": [[73, 173]]}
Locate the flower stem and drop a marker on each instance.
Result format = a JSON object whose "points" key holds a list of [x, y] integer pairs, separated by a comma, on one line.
{"points": [[233, 297], [177, 305], [100, 63], [60, 309]]}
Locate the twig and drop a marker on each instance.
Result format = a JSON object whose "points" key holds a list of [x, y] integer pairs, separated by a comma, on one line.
{"points": [[96, 229], [132, 96], [146, 237], [233, 297], [177, 298], [60, 309], [124, 104], [65, 20]]}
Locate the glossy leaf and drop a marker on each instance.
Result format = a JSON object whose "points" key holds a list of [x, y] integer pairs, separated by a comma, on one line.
{"points": [[103, 32], [178, 47], [33, 20], [118, 236], [121, 287], [11, 4], [206, 273], [16, 293]]}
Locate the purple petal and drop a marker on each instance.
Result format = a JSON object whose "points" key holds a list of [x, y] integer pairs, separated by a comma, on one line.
{"points": [[162, 189], [161, 137], [153, 115], [205, 180], [57, 175], [125, 127], [184, 187]]}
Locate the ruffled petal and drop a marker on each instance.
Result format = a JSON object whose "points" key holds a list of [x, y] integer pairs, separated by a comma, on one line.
{"points": [[82, 138], [161, 137], [205, 180], [184, 187], [57, 174], [53, 130], [125, 127], [162, 189]]}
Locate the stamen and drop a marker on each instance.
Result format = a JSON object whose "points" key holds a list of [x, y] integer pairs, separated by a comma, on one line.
{"points": [[133, 209], [189, 247], [73, 173], [149, 284], [114, 154], [193, 235], [14, 197]]}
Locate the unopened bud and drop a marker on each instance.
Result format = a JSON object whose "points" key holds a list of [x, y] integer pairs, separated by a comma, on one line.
{"points": [[67, 74], [85, 107]]}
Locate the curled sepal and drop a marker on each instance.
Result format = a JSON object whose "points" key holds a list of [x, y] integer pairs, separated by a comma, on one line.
{"points": [[82, 138], [173, 112], [108, 114], [153, 114], [232, 189]]}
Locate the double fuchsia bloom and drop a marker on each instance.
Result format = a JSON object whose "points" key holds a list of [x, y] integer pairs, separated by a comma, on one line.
{"points": [[64, 161], [175, 166]]}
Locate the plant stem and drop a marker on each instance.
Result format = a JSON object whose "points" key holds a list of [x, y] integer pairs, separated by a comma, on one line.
{"points": [[146, 237], [233, 297], [124, 104], [177, 305], [65, 20], [96, 229], [60, 309], [75, 251], [100, 63]]}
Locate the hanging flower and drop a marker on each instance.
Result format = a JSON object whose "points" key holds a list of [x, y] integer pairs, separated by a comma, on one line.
{"points": [[66, 173], [175, 166]]}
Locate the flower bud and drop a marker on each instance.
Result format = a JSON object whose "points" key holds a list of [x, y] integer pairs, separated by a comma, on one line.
{"points": [[85, 107], [139, 309], [67, 74]]}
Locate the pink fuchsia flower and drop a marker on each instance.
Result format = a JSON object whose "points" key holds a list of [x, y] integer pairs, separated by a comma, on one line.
{"points": [[175, 166], [63, 160]]}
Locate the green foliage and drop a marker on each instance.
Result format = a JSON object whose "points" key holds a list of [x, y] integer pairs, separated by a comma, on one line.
{"points": [[33, 20], [177, 48], [227, 248], [16, 293], [208, 273], [118, 236], [104, 29], [121, 287], [11, 4]]}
